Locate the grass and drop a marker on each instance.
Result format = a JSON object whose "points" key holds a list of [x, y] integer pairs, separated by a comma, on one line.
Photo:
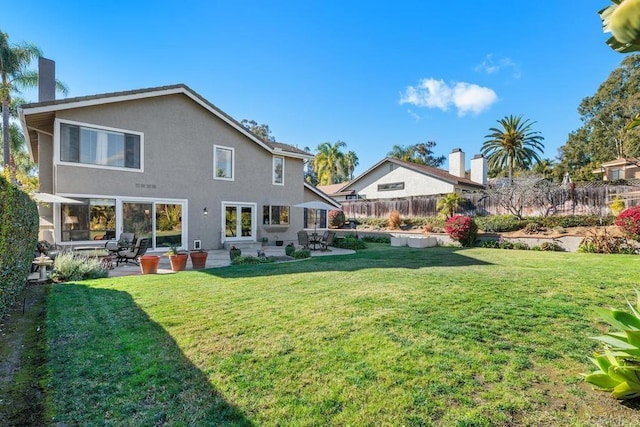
{"points": [[388, 336]]}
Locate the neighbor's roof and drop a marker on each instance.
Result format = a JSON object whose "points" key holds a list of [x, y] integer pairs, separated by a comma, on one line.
{"points": [[38, 117], [427, 170], [334, 189]]}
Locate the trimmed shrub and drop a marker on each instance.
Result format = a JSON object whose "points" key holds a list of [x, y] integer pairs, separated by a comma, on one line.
{"points": [[499, 223], [374, 222], [243, 260], [491, 244], [336, 218], [18, 242], [289, 249], [462, 229], [302, 253], [629, 222], [394, 220], [377, 239], [68, 267], [350, 242]]}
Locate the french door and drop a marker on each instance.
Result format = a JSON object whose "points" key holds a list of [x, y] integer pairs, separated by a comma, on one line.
{"points": [[239, 221]]}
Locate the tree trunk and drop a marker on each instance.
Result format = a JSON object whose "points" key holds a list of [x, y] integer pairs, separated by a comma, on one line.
{"points": [[6, 153]]}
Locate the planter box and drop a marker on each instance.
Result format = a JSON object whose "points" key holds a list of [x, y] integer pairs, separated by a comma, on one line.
{"points": [[398, 241], [421, 242]]}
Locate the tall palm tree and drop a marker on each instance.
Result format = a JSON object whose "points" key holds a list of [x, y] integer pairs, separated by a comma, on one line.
{"points": [[352, 161], [329, 162], [401, 152], [514, 145], [14, 75]]}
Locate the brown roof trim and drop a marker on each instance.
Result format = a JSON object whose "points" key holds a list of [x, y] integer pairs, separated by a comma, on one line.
{"points": [[161, 90]]}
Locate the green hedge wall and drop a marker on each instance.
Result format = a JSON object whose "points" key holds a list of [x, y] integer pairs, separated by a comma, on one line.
{"points": [[18, 240]]}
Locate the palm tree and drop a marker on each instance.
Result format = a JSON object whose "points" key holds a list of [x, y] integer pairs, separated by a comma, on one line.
{"points": [[352, 161], [401, 152], [544, 167], [514, 145], [329, 162], [14, 60], [448, 205]]}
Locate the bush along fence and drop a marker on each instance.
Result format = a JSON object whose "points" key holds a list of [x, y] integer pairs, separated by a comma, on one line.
{"points": [[524, 198], [18, 240]]}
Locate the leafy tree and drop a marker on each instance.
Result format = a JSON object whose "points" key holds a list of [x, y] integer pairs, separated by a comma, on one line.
{"points": [[544, 168], [606, 132], [329, 163], [421, 153], [513, 145], [261, 131]]}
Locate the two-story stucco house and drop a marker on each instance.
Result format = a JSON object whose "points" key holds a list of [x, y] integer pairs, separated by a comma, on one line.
{"points": [[167, 164]]}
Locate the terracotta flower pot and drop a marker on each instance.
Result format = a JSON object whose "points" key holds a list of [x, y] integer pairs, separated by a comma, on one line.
{"points": [[149, 264], [178, 262], [198, 259]]}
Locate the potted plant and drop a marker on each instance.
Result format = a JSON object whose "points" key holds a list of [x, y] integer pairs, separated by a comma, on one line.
{"points": [[198, 258], [289, 249], [234, 253], [177, 258], [149, 264], [279, 242]]}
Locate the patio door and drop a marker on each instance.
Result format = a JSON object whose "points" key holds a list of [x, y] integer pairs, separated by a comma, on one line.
{"points": [[162, 222], [239, 221]]}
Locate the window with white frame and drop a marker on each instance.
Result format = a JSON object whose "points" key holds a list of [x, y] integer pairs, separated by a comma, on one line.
{"points": [[223, 162], [278, 170], [101, 147], [275, 215]]}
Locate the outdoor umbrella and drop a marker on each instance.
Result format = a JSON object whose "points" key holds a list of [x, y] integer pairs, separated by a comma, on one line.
{"points": [[316, 204], [52, 198]]}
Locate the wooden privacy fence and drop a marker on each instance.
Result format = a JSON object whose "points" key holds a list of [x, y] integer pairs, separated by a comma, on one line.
{"points": [[574, 199]]}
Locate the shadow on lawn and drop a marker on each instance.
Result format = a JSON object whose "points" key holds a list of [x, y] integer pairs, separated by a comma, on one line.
{"points": [[377, 257], [111, 364]]}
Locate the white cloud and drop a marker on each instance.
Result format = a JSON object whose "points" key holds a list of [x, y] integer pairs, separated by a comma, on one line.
{"points": [[492, 65], [465, 97], [415, 116]]}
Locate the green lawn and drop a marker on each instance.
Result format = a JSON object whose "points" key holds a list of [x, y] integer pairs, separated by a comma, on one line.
{"points": [[388, 336]]}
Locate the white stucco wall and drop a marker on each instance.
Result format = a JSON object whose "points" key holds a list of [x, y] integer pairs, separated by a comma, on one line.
{"points": [[415, 183]]}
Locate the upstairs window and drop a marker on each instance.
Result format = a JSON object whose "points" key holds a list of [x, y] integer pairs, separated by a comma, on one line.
{"points": [[223, 162], [91, 146], [278, 170], [391, 186]]}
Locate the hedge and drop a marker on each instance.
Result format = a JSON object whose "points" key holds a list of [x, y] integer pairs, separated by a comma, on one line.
{"points": [[18, 240]]}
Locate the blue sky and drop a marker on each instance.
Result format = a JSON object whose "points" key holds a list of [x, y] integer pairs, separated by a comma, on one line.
{"points": [[372, 75]]}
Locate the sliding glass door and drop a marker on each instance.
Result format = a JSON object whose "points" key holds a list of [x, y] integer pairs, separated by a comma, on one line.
{"points": [[162, 222]]}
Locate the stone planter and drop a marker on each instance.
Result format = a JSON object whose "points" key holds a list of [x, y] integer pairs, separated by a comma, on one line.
{"points": [[398, 241], [421, 242], [178, 262], [198, 259], [149, 264]]}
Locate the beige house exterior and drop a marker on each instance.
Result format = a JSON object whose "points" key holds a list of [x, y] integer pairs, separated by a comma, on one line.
{"points": [[167, 164], [622, 168]]}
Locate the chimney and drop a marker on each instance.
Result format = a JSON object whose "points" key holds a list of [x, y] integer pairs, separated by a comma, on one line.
{"points": [[479, 169], [456, 163], [46, 80]]}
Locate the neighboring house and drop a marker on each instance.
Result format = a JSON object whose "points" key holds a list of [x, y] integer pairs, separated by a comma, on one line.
{"points": [[166, 164], [392, 178], [335, 192], [622, 168]]}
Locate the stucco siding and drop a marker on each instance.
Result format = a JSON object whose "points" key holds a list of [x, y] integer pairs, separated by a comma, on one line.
{"points": [[415, 184], [178, 143]]}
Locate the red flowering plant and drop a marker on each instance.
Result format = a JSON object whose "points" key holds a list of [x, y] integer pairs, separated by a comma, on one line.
{"points": [[629, 222], [462, 229]]}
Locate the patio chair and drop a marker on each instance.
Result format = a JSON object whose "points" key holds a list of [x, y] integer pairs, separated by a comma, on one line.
{"points": [[327, 240], [126, 241], [132, 254], [303, 239]]}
